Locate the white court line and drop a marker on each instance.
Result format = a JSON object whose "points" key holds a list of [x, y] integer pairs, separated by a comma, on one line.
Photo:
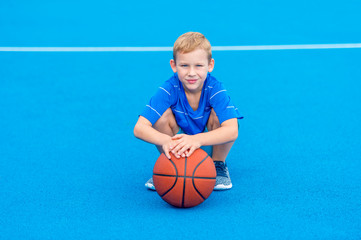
{"points": [[168, 49]]}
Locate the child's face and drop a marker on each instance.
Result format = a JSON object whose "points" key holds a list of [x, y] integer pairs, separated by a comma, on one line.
{"points": [[192, 69]]}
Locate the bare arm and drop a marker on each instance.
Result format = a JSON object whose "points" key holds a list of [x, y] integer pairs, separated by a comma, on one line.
{"points": [[187, 144], [143, 130], [228, 132]]}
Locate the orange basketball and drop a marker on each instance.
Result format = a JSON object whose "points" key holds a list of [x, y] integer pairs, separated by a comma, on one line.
{"points": [[184, 182]]}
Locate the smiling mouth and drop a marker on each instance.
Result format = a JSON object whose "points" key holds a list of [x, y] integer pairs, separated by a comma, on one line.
{"points": [[192, 81]]}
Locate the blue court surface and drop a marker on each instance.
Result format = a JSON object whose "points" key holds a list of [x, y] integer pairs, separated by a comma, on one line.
{"points": [[70, 167]]}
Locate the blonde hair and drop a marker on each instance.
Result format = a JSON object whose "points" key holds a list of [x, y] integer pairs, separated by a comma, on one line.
{"points": [[191, 41]]}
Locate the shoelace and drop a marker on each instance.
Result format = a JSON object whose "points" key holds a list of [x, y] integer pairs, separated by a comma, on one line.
{"points": [[220, 168]]}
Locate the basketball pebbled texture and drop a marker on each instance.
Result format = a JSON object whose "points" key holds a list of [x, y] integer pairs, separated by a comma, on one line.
{"points": [[184, 182]]}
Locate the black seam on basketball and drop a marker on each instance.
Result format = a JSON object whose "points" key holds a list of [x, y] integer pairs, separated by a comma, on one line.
{"points": [[176, 178], [194, 172], [184, 185], [165, 175]]}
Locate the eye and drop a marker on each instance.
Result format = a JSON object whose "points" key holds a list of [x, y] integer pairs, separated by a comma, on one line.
{"points": [[184, 65], [199, 65]]}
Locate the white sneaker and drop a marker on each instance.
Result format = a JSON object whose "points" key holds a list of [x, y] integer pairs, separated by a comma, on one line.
{"points": [[149, 184], [223, 180]]}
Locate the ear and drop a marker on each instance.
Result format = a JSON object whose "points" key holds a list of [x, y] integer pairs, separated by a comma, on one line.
{"points": [[173, 65], [211, 65]]}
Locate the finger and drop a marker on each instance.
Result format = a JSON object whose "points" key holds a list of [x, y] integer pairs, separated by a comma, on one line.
{"points": [[177, 146], [166, 152], [183, 149], [170, 150], [176, 152], [177, 136], [168, 155], [174, 144], [176, 155], [186, 153], [191, 150]]}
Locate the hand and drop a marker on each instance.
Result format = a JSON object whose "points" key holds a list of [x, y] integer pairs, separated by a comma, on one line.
{"points": [[184, 145], [168, 146]]}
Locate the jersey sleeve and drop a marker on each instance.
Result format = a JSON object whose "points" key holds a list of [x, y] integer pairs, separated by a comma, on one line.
{"points": [[222, 104], [159, 103]]}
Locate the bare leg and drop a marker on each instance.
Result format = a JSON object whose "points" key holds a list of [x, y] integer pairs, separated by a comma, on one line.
{"points": [[166, 124], [220, 152]]}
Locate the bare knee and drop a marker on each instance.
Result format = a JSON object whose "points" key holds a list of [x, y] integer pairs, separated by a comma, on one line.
{"points": [[213, 121], [167, 123]]}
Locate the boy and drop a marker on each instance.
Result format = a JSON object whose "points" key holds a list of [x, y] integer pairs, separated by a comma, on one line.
{"points": [[191, 109]]}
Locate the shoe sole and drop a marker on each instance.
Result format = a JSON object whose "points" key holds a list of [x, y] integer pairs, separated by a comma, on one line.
{"points": [[221, 187], [150, 186]]}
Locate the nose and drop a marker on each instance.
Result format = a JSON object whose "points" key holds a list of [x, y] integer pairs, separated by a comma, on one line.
{"points": [[192, 71]]}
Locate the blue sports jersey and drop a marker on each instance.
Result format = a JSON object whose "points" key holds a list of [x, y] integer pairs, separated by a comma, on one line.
{"points": [[171, 95]]}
